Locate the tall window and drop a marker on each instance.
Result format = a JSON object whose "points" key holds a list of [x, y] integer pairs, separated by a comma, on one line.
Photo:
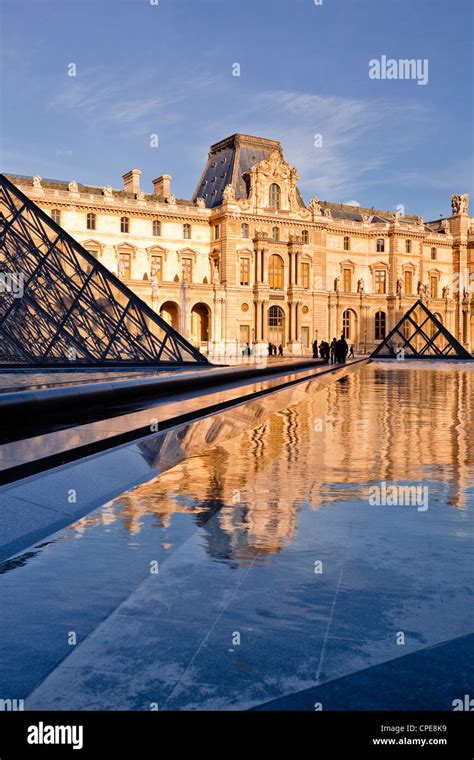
{"points": [[347, 280], [305, 274], [380, 245], [433, 254], [275, 234], [347, 243], [434, 286], [217, 231], [380, 325], [91, 220], [408, 282], [156, 269], [124, 224], [275, 272], [187, 269], [380, 281], [407, 246], [125, 260], [156, 228], [56, 215], [347, 323], [305, 236], [244, 230], [274, 196], [187, 231], [245, 271]]}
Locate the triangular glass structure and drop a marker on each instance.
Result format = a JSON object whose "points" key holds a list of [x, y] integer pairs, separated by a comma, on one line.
{"points": [[58, 304], [420, 335]]}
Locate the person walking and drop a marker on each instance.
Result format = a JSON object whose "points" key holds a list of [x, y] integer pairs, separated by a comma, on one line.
{"points": [[315, 349], [351, 352], [343, 349], [332, 351], [280, 350]]}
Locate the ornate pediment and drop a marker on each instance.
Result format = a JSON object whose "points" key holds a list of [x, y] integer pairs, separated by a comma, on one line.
{"points": [[273, 170]]}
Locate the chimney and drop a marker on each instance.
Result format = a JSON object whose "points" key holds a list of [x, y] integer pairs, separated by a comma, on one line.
{"points": [[162, 186], [131, 181]]}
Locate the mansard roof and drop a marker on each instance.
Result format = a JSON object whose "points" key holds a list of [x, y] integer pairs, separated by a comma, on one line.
{"points": [[228, 162]]}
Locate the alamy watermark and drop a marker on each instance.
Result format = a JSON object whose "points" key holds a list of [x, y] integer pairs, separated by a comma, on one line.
{"points": [[399, 496], [12, 283], [403, 68]]}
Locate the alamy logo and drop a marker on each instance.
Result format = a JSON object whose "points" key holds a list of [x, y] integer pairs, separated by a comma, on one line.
{"points": [[466, 704], [42, 734], [404, 68], [399, 496]]}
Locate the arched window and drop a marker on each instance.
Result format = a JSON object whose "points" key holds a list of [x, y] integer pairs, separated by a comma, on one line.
{"points": [[380, 325], [275, 272], [305, 236], [244, 230], [91, 219], [347, 243], [407, 246], [56, 215], [156, 228], [276, 325], [275, 234], [187, 231], [124, 224], [433, 254], [274, 195], [380, 245]]}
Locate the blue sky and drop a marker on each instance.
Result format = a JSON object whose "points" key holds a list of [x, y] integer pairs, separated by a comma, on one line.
{"points": [[166, 69]]}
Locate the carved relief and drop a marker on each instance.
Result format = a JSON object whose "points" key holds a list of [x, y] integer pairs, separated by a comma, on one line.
{"points": [[273, 169], [460, 203]]}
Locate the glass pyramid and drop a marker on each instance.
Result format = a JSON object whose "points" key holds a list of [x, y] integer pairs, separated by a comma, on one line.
{"points": [[58, 304], [420, 335]]}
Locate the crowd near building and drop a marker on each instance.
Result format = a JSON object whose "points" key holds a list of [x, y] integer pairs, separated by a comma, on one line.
{"points": [[246, 261]]}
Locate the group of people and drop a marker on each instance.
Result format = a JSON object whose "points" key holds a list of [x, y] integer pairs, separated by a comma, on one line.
{"points": [[334, 353], [274, 351]]}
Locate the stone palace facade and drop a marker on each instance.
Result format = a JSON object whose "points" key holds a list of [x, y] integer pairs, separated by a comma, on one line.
{"points": [[246, 261]]}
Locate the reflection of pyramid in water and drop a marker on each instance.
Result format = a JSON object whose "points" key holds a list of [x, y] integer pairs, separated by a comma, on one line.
{"points": [[420, 335], [72, 308]]}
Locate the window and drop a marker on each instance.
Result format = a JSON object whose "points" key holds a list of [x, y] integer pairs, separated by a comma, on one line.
{"points": [[346, 324], [380, 281], [187, 269], [125, 266], [433, 254], [407, 246], [156, 228], [124, 224], [305, 236], [156, 269], [275, 272], [274, 196], [305, 274], [275, 234], [380, 323], [434, 286], [244, 230], [187, 231], [56, 215], [347, 280], [91, 219], [245, 271], [217, 231], [347, 243], [408, 282], [380, 245]]}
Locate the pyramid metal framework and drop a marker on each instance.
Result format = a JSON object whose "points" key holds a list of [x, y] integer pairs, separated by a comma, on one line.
{"points": [[59, 305], [420, 335]]}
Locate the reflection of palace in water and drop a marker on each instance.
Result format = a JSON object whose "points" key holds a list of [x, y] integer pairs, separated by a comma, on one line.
{"points": [[253, 467]]}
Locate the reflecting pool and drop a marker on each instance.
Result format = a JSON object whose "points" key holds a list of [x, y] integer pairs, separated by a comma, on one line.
{"points": [[313, 554]]}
